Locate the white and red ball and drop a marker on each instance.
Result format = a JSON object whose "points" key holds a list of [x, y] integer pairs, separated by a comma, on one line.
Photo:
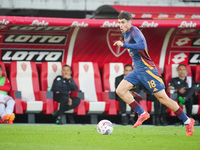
{"points": [[105, 127]]}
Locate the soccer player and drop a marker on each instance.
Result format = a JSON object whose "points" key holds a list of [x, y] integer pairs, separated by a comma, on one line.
{"points": [[6, 102], [144, 72]]}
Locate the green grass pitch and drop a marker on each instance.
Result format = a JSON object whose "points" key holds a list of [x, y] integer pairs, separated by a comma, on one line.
{"points": [[86, 137]]}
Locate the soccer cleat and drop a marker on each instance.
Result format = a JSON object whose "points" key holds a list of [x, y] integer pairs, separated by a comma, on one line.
{"points": [[11, 119], [7, 116], [3, 120], [141, 119], [190, 127]]}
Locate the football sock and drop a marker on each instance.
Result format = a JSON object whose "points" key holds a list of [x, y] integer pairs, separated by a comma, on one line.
{"points": [[181, 115], [10, 106], [137, 108], [2, 110]]}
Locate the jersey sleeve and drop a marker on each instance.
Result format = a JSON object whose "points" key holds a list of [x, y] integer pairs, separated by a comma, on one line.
{"points": [[6, 87], [138, 38]]}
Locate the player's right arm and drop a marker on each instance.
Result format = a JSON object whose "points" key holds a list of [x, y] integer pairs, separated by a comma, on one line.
{"points": [[138, 38]]}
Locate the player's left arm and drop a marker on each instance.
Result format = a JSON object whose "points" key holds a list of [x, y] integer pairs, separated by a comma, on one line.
{"points": [[138, 45]]}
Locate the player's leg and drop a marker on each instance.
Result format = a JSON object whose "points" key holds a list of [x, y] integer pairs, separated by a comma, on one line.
{"points": [[10, 103], [164, 99], [123, 92], [155, 84], [2, 108], [2, 112]]}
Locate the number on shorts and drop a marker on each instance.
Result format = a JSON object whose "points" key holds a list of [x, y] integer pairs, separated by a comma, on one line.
{"points": [[151, 83]]}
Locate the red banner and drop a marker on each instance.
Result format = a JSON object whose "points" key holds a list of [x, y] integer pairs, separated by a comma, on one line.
{"points": [[6, 21], [54, 39]]}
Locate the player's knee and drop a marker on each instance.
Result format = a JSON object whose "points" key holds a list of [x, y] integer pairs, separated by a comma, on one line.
{"points": [[10, 102], [163, 100], [119, 92]]}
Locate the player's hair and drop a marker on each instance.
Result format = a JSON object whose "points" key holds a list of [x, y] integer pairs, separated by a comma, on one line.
{"points": [[66, 66], [128, 65], [181, 65], [125, 15]]}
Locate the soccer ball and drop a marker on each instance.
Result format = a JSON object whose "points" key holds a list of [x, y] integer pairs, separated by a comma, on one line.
{"points": [[105, 127]]}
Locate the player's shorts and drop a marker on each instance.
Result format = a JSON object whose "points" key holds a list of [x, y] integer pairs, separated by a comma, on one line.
{"points": [[5, 98], [149, 78]]}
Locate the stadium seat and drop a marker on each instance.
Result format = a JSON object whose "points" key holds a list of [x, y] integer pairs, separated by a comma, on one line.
{"points": [[197, 74], [49, 71], [197, 79], [4, 74], [18, 104], [171, 72], [24, 78], [110, 72], [87, 77]]}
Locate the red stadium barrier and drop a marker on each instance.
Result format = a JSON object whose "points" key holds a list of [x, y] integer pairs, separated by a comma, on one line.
{"points": [[40, 21]]}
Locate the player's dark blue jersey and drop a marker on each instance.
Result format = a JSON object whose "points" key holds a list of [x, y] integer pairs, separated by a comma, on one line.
{"points": [[144, 70], [136, 45]]}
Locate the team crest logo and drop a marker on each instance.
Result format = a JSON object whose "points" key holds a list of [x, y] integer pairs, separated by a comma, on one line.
{"points": [[23, 65], [116, 67], [111, 37], [54, 67], [86, 67]]}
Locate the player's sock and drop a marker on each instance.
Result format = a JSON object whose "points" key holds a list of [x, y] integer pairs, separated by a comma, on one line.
{"points": [[2, 110], [10, 106], [137, 108], [181, 115]]}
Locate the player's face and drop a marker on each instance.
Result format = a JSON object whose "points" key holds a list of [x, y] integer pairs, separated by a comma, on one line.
{"points": [[124, 25], [127, 70], [66, 71], [0, 72], [182, 71]]}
